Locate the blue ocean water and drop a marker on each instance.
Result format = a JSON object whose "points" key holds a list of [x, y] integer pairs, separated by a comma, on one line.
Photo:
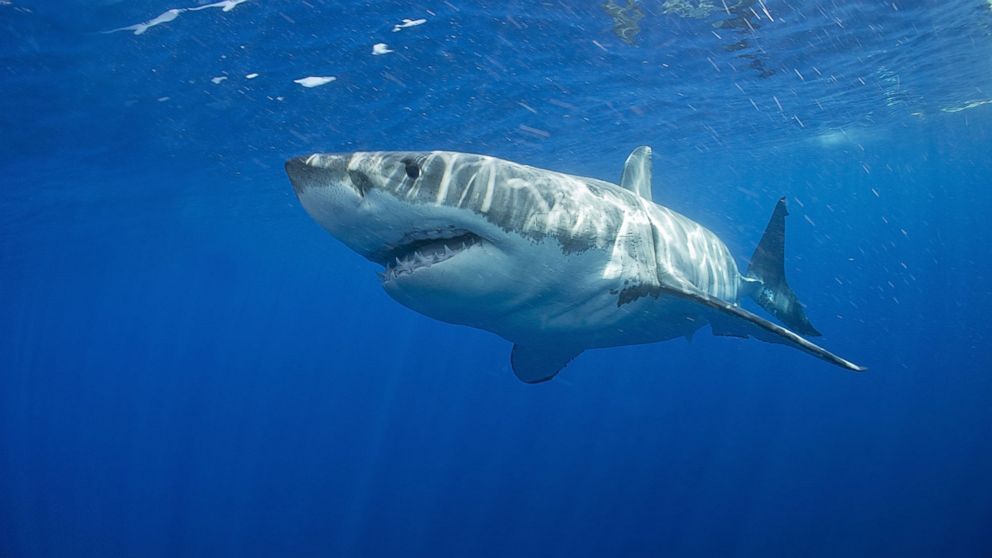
{"points": [[190, 366]]}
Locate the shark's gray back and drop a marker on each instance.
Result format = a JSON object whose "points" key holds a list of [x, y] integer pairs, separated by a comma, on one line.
{"points": [[580, 213]]}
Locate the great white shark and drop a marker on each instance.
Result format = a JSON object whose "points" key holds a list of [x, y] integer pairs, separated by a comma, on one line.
{"points": [[552, 262]]}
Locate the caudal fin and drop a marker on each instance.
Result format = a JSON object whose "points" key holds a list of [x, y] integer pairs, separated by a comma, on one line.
{"points": [[766, 273]]}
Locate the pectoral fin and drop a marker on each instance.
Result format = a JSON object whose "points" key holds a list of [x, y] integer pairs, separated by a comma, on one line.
{"points": [[534, 364]]}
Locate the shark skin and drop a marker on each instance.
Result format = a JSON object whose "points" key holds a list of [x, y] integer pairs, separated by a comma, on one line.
{"points": [[552, 262]]}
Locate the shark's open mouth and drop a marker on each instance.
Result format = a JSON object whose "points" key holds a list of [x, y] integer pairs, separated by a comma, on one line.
{"points": [[422, 249]]}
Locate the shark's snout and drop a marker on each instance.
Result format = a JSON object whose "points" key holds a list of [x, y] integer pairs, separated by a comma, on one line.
{"points": [[321, 170], [297, 170]]}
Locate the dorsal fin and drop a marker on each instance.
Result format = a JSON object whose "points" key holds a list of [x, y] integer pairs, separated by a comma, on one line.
{"points": [[637, 172]]}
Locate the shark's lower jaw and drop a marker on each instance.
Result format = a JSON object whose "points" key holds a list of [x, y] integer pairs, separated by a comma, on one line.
{"points": [[420, 250]]}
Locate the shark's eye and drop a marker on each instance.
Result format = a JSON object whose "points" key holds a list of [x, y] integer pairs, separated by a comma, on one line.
{"points": [[412, 170]]}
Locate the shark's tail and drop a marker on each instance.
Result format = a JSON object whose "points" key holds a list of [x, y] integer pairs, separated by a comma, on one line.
{"points": [[766, 277]]}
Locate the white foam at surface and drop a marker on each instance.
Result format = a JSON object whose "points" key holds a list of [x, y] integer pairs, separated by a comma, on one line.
{"points": [[172, 14], [251, 76], [969, 105], [380, 48], [218, 79], [224, 5], [415, 22], [314, 81], [847, 137], [140, 28]]}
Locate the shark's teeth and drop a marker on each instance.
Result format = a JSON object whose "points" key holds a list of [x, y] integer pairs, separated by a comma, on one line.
{"points": [[422, 249]]}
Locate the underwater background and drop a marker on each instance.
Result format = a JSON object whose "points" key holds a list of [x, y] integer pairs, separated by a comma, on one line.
{"points": [[190, 366]]}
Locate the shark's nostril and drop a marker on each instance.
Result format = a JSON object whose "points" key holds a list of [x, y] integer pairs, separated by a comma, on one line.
{"points": [[361, 181]]}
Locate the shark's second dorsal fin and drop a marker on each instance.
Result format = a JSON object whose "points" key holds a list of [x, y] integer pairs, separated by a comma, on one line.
{"points": [[637, 172]]}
